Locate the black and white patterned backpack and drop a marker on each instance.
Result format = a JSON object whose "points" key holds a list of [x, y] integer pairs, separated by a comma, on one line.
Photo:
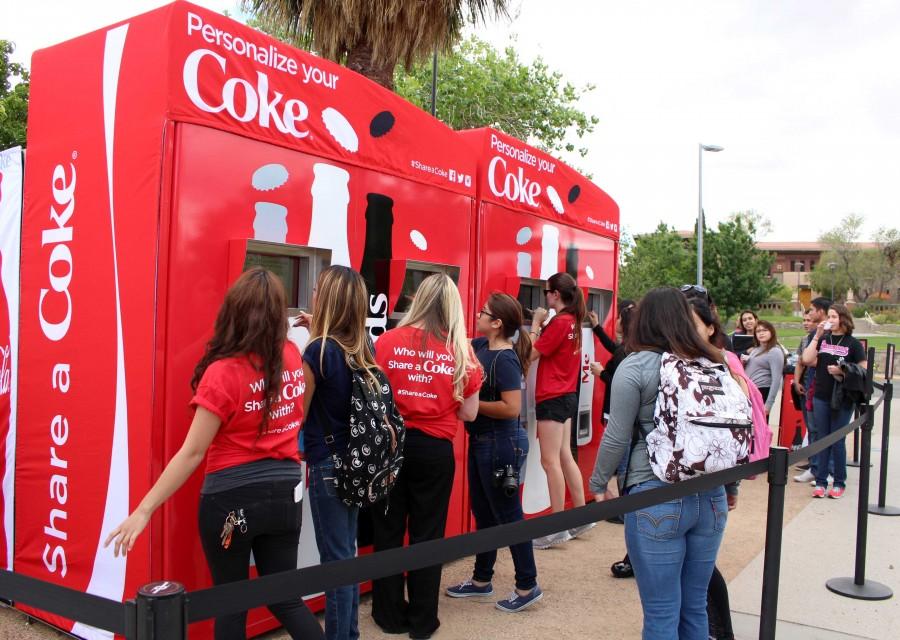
{"points": [[368, 468], [703, 420]]}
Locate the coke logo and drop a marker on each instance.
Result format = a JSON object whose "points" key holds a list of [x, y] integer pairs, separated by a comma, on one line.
{"points": [[242, 100], [60, 264], [513, 186]]}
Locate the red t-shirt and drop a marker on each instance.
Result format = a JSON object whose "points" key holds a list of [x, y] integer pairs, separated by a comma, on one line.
{"points": [[420, 371], [232, 388], [560, 361]]}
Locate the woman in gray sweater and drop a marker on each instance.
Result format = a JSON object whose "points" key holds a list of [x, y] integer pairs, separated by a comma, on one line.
{"points": [[673, 544], [764, 363]]}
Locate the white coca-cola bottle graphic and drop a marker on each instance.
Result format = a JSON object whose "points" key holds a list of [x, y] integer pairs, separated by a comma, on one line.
{"points": [[330, 198], [549, 251], [523, 258]]}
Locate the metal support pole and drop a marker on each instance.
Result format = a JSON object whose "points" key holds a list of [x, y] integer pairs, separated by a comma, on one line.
{"points": [[883, 509], [858, 587], [161, 611], [778, 474], [700, 216]]}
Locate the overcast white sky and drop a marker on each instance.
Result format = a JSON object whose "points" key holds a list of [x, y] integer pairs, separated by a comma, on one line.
{"points": [[803, 94]]}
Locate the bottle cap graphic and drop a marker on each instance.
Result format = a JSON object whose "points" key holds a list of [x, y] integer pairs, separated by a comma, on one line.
{"points": [[555, 200], [381, 124], [340, 129], [574, 192]]}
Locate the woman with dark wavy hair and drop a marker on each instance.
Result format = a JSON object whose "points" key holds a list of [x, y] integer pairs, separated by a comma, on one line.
{"points": [[248, 407]]}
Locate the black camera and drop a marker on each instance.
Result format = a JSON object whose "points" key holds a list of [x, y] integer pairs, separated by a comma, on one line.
{"points": [[507, 480]]}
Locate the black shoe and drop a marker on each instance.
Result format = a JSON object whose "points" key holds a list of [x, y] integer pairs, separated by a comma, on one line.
{"points": [[393, 631], [616, 520], [622, 569], [802, 467]]}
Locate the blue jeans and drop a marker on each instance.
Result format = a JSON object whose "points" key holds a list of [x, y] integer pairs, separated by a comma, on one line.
{"points": [[490, 506], [335, 526], [828, 421], [810, 434], [673, 549]]}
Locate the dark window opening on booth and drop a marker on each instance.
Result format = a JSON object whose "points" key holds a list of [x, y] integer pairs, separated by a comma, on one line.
{"points": [[416, 272], [296, 266], [531, 296], [584, 426], [599, 301]]}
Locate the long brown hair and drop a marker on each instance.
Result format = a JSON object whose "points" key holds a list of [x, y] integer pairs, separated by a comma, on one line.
{"points": [[252, 323], [844, 317], [710, 319], [508, 311], [572, 299], [662, 322], [340, 314]]}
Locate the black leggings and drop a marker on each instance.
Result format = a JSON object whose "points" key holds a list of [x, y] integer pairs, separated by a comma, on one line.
{"points": [[272, 532]]}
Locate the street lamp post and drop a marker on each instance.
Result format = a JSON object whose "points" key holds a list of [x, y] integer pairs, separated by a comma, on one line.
{"points": [[832, 266], [703, 147]]}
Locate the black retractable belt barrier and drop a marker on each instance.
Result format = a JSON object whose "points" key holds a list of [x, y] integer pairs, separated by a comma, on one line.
{"points": [[857, 586], [882, 508], [87, 608], [778, 473], [239, 596]]}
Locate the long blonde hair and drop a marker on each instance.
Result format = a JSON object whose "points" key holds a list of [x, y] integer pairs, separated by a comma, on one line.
{"points": [[437, 309], [340, 314]]}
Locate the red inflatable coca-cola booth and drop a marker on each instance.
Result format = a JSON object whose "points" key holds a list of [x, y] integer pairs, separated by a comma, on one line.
{"points": [[166, 154]]}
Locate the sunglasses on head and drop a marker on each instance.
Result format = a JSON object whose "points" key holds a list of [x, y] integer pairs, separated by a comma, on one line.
{"points": [[693, 287]]}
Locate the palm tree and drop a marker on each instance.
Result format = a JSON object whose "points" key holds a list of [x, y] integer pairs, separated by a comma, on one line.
{"points": [[373, 36]]}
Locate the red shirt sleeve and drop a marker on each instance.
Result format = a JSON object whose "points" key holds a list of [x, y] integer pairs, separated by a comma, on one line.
{"points": [[552, 336], [216, 392]]}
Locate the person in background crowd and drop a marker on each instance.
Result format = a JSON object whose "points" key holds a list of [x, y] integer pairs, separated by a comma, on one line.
{"points": [[745, 326], [247, 428], [818, 312], [435, 377], [615, 348], [802, 383], [673, 545], [765, 362], [338, 342], [558, 346], [832, 344], [499, 444]]}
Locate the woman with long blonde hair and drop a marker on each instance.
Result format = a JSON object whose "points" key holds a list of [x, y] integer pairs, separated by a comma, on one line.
{"points": [[338, 345], [248, 401], [436, 379]]}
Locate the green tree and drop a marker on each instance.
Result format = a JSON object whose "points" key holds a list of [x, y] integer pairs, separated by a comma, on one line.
{"points": [[372, 38], [654, 260], [480, 86], [13, 99], [734, 270], [866, 271]]}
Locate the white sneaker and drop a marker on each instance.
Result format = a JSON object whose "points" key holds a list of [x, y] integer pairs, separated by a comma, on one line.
{"points": [[577, 531], [806, 476], [545, 542]]}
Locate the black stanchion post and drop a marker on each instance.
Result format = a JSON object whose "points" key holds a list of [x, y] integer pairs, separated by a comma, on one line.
{"points": [[161, 611], [857, 586], [882, 508], [854, 461], [778, 474]]}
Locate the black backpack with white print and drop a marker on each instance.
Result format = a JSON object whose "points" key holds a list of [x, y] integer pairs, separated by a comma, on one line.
{"points": [[368, 468]]}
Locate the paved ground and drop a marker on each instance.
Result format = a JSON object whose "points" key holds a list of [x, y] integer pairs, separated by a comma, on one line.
{"points": [[584, 601]]}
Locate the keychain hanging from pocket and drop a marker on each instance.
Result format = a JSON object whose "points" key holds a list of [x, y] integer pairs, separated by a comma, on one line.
{"points": [[233, 522]]}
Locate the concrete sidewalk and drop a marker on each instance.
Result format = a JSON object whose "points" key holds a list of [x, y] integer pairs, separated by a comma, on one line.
{"points": [[819, 544]]}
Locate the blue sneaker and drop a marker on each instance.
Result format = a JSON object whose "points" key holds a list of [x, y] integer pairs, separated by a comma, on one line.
{"points": [[467, 589], [515, 602]]}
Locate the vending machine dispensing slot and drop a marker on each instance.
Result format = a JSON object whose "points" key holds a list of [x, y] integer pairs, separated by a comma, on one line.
{"points": [[296, 265], [530, 296], [413, 273]]}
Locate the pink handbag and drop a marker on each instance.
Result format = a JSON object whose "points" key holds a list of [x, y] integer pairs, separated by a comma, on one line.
{"points": [[762, 434]]}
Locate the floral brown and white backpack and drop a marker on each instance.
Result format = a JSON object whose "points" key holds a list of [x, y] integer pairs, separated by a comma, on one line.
{"points": [[703, 420]]}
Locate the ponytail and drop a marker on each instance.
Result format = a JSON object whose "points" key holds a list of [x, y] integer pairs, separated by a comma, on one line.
{"points": [[573, 299], [508, 311]]}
